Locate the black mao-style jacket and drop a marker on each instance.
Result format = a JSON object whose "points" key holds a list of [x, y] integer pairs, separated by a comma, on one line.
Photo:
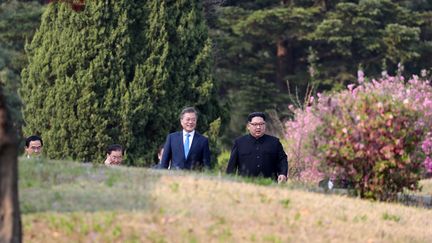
{"points": [[258, 157]]}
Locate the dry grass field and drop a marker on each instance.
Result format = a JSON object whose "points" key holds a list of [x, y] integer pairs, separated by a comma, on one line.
{"points": [[190, 207], [426, 187]]}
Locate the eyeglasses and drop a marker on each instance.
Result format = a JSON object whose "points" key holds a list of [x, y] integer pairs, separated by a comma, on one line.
{"points": [[116, 157], [257, 124], [34, 148]]}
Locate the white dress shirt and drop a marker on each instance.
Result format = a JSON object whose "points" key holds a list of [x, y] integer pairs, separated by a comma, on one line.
{"points": [[190, 138]]}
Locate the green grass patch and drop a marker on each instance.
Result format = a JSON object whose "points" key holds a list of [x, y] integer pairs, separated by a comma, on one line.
{"points": [[285, 202], [391, 217], [61, 186], [75, 202]]}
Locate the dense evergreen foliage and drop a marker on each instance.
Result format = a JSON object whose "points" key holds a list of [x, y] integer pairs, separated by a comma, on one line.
{"points": [[18, 22], [263, 45], [260, 47], [117, 72]]}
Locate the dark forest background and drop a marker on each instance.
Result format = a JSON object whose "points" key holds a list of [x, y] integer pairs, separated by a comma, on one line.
{"points": [[234, 57]]}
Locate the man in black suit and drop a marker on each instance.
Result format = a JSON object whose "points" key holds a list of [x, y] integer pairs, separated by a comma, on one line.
{"points": [[258, 154], [186, 149]]}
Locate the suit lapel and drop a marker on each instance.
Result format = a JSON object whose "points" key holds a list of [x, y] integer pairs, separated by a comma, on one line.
{"points": [[180, 143]]}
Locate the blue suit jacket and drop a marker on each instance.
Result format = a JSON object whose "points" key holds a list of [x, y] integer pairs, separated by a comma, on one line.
{"points": [[199, 153]]}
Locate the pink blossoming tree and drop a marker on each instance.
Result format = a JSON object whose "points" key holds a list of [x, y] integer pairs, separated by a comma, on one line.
{"points": [[375, 134]]}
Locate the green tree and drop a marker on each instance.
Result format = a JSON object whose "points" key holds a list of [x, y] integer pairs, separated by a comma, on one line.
{"points": [[175, 73], [273, 41], [71, 85], [117, 72], [366, 33], [18, 22], [260, 46]]}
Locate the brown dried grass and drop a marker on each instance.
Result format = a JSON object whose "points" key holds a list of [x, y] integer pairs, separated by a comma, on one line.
{"points": [[194, 208]]}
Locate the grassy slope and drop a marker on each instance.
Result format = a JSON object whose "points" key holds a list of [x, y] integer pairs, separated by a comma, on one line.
{"points": [[69, 202], [426, 187]]}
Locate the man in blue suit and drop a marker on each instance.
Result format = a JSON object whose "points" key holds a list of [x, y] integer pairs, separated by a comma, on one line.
{"points": [[186, 149]]}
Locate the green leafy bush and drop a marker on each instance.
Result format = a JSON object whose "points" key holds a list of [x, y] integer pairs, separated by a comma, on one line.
{"points": [[222, 161]]}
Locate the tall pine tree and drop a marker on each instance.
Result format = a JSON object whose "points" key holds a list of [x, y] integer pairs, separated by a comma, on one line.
{"points": [[175, 73], [71, 85], [18, 22], [116, 72]]}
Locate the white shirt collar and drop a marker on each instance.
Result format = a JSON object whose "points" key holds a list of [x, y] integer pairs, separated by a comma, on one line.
{"points": [[191, 133], [191, 138]]}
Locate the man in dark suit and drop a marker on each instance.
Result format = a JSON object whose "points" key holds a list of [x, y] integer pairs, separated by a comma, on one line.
{"points": [[258, 154], [186, 149]]}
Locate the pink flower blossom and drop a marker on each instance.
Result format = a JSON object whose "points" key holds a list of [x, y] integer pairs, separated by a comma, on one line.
{"points": [[301, 132], [427, 146], [428, 164]]}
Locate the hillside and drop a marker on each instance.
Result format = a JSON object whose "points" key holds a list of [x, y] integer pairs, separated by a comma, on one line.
{"points": [[70, 202]]}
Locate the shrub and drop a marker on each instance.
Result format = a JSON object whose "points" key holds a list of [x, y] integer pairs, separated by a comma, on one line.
{"points": [[370, 140], [427, 149], [222, 161], [374, 134], [300, 146]]}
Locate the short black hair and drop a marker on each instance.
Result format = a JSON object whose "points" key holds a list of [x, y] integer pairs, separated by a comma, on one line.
{"points": [[33, 138], [255, 114], [188, 110], [114, 147]]}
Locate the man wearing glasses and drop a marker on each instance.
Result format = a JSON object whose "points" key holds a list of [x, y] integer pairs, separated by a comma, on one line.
{"points": [[258, 154], [33, 146], [114, 155]]}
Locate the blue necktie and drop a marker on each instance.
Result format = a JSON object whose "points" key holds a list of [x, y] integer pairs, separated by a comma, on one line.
{"points": [[186, 145]]}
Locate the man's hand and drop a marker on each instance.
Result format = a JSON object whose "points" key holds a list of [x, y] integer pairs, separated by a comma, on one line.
{"points": [[281, 179]]}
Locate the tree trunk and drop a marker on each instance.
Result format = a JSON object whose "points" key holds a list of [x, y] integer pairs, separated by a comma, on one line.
{"points": [[286, 2], [284, 66], [323, 4], [10, 219]]}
